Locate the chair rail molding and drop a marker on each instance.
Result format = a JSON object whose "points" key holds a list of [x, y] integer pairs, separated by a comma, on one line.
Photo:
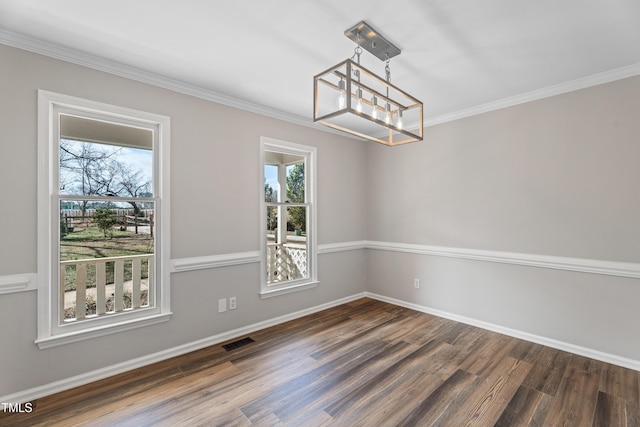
{"points": [[224, 260], [18, 283], [583, 265], [214, 261]]}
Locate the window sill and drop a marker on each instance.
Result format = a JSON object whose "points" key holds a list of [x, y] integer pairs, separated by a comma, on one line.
{"points": [[85, 334], [287, 290]]}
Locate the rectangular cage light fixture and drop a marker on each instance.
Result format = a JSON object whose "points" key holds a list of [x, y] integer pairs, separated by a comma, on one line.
{"points": [[352, 99]]}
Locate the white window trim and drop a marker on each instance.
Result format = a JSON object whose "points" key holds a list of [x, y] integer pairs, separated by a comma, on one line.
{"points": [[310, 155], [50, 333]]}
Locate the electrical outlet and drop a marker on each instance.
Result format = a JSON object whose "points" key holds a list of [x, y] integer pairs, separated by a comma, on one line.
{"points": [[232, 303], [222, 305], [416, 283]]}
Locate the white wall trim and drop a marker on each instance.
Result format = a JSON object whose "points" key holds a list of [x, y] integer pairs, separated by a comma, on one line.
{"points": [[82, 379], [582, 265], [224, 260], [45, 48], [49, 106], [115, 327], [570, 86], [214, 261], [86, 378], [342, 246], [18, 283], [42, 47], [560, 345], [28, 281]]}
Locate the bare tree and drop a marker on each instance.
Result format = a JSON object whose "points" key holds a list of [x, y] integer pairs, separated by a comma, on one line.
{"points": [[130, 182], [84, 169], [95, 170]]}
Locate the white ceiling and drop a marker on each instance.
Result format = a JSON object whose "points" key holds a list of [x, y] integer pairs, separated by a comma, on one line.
{"points": [[458, 56]]}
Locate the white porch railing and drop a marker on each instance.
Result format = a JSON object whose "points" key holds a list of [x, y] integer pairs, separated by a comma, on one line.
{"points": [[116, 296], [286, 262]]}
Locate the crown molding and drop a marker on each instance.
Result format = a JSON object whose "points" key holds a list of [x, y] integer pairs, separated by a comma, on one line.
{"points": [[95, 62], [570, 86], [45, 48]]}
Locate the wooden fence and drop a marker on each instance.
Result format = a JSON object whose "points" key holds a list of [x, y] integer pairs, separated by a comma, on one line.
{"points": [[72, 218]]}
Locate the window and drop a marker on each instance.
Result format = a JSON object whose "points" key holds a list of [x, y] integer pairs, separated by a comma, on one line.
{"points": [[103, 235], [288, 217]]}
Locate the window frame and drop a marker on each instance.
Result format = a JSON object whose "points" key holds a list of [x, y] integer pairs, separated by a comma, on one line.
{"points": [[50, 331], [309, 154]]}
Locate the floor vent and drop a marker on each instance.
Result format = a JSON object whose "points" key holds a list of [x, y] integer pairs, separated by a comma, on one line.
{"points": [[239, 343]]}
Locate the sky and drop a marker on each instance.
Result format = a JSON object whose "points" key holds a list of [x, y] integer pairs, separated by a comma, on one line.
{"points": [[137, 159], [271, 176]]}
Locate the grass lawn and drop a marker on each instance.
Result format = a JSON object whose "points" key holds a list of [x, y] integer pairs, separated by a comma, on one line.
{"points": [[88, 243]]}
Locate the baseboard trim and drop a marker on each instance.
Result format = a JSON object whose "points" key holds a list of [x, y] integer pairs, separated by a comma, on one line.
{"points": [[89, 377], [582, 265], [83, 379], [549, 342]]}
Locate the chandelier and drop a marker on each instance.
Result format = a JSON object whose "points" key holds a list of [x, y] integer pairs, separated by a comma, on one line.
{"points": [[352, 99]]}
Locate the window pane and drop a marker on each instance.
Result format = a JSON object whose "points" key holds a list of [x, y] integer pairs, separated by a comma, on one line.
{"points": [[271, 185], [106, 257], [100, 169], [296, 183], [287, 244]]}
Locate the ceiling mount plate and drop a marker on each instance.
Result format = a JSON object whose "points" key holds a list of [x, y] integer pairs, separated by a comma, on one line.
{"points": [[372, 41]]}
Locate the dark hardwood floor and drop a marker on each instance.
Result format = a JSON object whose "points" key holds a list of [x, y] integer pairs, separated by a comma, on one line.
{"points": [[366, 363]]}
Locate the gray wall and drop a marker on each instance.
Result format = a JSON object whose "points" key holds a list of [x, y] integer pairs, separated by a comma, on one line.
{"points": [[215, 182], [556, 177]]}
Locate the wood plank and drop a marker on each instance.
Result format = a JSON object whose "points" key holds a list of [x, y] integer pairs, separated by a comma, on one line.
{"points": [[101, 281], [151, 281], [575, 399], [362, 363], [431, 408], [548, 371], [620, 382], [609, 411], [487, 401], [375, 398], [118, 294], [81, 291], [528, 407], [304, 386], [136, 274]]}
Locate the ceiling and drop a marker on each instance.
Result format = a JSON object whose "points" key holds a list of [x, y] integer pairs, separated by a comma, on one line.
{"points": [[458, 56]]}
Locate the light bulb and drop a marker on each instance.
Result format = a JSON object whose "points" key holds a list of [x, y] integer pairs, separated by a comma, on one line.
{"points": [[387, 117], [359, 103], [400, 122], [374, 107], [342, 98]]}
